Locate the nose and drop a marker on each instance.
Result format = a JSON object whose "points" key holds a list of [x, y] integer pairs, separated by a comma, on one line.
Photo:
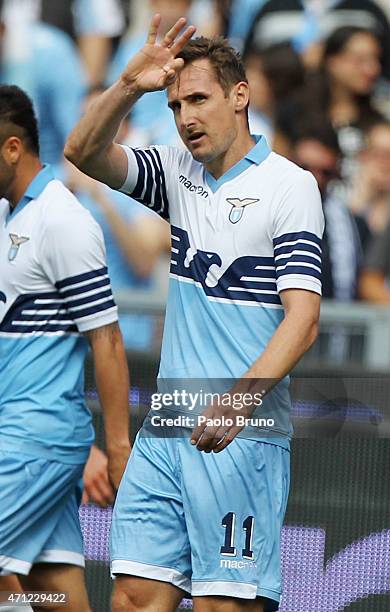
{"points": [[372, 67], [187, 118]]}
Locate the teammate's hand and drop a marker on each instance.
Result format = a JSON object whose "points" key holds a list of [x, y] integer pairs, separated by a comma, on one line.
{"points": [[155, 66], [217, 437], [97, 486], [117, 461]]}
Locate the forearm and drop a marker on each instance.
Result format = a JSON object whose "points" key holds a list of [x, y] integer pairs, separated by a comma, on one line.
{"points": [[291, 340], [112, 381], [89, 144]]}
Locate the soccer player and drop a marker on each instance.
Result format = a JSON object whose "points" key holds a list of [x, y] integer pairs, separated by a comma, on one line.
{"points": [[243, 304], [55, 297]]}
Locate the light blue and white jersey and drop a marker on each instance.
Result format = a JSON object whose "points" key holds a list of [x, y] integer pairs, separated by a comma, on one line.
{"points": [[237, 242], [53, 287]]}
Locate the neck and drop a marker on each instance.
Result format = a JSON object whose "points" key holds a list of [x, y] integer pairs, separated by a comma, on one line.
{"points": [[238, 149], [25, 173]]}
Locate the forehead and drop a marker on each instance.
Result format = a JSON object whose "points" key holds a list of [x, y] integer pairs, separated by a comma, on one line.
{"points": [[195, 77], [362, 41]]}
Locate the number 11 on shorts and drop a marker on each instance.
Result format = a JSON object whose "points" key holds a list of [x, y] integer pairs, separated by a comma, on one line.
{"points": [[229, 523]]}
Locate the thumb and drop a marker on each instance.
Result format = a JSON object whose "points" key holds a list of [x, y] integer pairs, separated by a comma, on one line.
{"points": [[171, 77]]}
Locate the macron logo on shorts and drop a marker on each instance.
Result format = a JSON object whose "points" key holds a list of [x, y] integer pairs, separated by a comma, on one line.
{"points": [[236, 564]]}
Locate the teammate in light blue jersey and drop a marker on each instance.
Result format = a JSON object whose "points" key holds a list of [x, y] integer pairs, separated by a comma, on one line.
{"points": [[55, 296], [243, 305]]}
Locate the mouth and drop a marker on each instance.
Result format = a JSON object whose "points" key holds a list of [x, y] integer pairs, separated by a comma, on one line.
{"points": [[195, 138]]}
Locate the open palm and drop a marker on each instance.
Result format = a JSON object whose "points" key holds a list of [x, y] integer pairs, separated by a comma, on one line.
{"points": [[155, 66]]}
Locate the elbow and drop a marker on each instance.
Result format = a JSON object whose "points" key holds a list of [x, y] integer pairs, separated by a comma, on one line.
{"points": [[74, 154], [78, 153]]}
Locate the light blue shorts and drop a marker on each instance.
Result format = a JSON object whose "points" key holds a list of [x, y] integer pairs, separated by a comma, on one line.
{"points": [[207, 523], [39, 520]]}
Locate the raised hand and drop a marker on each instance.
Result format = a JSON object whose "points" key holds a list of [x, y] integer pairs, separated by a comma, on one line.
{"points": [[155, 66]]}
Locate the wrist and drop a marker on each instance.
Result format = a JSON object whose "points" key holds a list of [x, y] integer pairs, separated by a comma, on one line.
{"points": [[117, 446], [129, 87]]}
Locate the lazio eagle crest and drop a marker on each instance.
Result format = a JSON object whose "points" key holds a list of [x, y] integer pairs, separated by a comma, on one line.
{"points": [[238, 206], [16, 241]]}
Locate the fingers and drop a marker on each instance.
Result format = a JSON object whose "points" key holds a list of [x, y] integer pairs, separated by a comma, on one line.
{"points": [[171, 70], [228, 437], [154, 25], [99, 490], [173, 32], [213, 439], [206, 438], [181, 42], [176, 46], [97, 487], [197, 432]]}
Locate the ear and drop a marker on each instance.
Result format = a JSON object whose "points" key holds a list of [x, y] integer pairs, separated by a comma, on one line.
{"points": [[12, 149], [241, 96]]}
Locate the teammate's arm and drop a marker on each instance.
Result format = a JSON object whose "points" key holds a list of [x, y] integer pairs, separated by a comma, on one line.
{"points": [[91, 145], [112, 381]]}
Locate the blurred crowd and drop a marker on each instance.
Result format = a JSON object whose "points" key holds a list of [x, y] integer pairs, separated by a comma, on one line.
{"points": [[319, 76]]}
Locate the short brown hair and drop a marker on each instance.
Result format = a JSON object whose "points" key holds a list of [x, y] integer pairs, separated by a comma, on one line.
{"points": [[225, 60]]}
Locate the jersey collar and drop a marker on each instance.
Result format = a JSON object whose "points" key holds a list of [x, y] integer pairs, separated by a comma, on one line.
{"points": [[256, 155], [34, 190]]}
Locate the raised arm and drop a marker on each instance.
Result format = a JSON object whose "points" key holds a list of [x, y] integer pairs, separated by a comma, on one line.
{"points": [[91, 145]]}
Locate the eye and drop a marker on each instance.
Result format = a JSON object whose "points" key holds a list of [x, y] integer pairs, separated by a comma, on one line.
{"points": [[175, 106]]}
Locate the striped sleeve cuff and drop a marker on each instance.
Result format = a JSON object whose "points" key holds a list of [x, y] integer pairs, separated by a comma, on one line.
{"points": [[88, 299], [298, 261], [150, 186]]}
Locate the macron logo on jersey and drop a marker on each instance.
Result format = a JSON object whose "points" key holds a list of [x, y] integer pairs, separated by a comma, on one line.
{"points": [[16, 242], [198, 189], [238, 206]]}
